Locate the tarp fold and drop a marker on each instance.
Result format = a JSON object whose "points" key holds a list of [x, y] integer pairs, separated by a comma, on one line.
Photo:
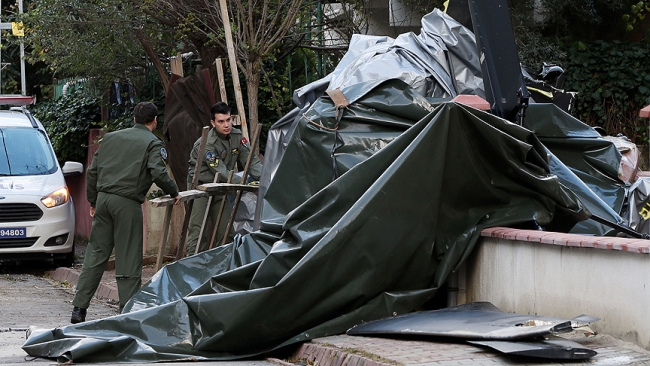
{"points": [[363, 231]]}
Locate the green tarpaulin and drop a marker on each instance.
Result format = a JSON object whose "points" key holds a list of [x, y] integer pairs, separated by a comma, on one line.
{"points": [[592, 161], [366, 213]]}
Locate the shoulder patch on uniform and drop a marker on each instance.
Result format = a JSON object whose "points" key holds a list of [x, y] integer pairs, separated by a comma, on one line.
{"points": [[210, 156], [163, 153], [244, 141]]}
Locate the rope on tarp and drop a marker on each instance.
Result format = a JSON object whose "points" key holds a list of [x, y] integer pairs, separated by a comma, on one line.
{"points": [[319, 124]]}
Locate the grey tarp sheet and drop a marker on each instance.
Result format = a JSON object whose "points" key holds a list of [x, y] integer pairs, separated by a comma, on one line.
{"points": [[440, 62], [363, 218], [443, 61], [592, 161], [637, 210]]}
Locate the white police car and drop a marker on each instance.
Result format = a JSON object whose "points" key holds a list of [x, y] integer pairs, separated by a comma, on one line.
{"points": [[36, 211]]}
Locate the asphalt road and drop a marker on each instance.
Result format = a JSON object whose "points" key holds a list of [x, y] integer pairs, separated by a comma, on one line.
{"points": [[27, 299]]}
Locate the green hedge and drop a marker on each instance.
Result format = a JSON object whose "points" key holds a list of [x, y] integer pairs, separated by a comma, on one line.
{"points": [[67, 121], [613, 84]]}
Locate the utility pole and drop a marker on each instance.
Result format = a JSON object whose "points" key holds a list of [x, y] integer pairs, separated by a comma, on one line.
{"points": [[12, 26]]}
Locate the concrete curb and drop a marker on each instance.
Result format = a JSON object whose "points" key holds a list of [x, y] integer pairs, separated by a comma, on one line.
{"points": [[71, 276]]}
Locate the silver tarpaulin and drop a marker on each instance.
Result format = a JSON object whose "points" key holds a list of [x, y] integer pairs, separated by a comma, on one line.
{"points": [[441, 62]]}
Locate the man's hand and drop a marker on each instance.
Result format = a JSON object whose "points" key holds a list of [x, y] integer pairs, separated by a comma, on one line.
{"points": [[92, 211], [178, 200]]}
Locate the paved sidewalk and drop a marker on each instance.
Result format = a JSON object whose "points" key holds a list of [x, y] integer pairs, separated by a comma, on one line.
{"points": [[344, 350], [107, 289], [30, 300]]}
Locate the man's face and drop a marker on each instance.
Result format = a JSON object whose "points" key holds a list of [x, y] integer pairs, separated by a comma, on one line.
{"points": [[222, 123]]}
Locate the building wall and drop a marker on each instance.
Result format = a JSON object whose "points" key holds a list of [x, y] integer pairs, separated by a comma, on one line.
{"points": [[565, 275], [77, 186], [394, 17]]}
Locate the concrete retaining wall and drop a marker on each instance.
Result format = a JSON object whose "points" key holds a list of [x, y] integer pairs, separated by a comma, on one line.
{"points": [[564, 275]]}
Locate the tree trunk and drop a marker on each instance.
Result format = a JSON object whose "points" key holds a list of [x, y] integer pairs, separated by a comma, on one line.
{"points": [[160, 69], [252, 75]]}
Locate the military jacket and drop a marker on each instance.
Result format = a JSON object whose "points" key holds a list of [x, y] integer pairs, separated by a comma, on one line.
{"points": [[222, 154], [127, 163]]}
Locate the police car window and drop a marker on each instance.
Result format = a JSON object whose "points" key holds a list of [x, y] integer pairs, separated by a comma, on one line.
{"points": [[25, 151]]}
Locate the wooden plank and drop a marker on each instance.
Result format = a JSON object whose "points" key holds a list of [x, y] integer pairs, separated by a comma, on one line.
{"points": [[205, 217], [226, 188], [222, 81], [256, 135], [199, 158], [233, 67], [186, 196], [166, 224], [188, 206], [176, 64], [203, 190], [213, 238]]}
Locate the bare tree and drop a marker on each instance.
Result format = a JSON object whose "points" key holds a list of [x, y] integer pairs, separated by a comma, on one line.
{"points": [[258, 27], [262, 30]]}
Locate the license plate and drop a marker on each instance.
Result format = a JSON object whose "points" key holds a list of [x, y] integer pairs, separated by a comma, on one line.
{"points": [[16, 232]]}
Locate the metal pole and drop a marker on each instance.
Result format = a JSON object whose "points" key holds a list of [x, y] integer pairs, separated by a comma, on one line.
{"points": [[1, 50], [23, 81], [320, 39]]}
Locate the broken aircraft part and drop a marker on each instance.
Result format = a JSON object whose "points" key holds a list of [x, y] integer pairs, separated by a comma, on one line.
{"points": [[482, 323], [477, 320], [552, 348]]}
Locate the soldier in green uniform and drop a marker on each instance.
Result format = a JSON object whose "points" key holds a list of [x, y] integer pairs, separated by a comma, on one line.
{"points": [[122, 171], [226, 147]]}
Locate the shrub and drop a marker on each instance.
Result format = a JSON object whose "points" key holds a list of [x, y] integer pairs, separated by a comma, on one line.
{"points": [[67, 121], [613, 82]]}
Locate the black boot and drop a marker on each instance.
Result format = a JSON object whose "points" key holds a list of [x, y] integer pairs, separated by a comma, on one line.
{"points": [[78, 315]]}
